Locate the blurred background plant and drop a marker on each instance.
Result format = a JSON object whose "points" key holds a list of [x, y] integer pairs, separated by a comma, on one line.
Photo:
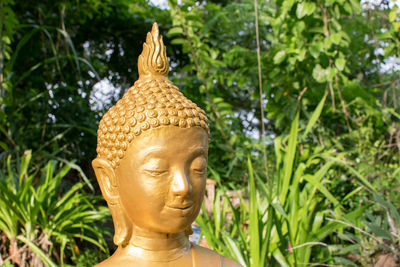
{"points": [[44, 221], [376, 234], [289, 220], [305, 132]]}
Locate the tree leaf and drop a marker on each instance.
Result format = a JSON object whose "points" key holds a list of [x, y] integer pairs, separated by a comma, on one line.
{"points": [[392, 15], [340, 63], [314, 50], [309, 7], [385, 35], [305, 8], [6, 39], [178, 41], [175, 31], [319, 74], [279, 57], [336, 38], [301, 10], [348, 8], [356, 6]]}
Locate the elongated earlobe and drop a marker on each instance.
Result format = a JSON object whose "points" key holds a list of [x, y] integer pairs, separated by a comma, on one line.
{"points": [[109, 188]]}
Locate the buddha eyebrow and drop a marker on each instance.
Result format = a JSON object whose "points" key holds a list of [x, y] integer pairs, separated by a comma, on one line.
{"points": [[152, 150], [197, 148], [195, 151]]}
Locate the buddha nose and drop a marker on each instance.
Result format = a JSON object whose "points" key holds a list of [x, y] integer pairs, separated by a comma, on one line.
{"points": [[181, 185]]}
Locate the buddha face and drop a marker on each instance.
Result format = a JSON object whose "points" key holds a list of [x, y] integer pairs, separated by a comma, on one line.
{"points": [[161, 179]]}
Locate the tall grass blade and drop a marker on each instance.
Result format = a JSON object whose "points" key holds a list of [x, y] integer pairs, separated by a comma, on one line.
{"points": [[235, 250], [79, 169], [315, 116], [289, 158], [37, 251], [364, 181], [254, 221]]}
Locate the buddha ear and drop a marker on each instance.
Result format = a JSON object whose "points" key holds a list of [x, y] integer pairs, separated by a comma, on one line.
{"points": [[107, 180], [108, 184]]}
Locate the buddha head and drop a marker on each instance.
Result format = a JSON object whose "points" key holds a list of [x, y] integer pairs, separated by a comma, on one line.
{"points": [[152, 152]]}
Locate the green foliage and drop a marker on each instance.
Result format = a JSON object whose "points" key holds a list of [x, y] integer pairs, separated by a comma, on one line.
{"points": [[290, 219], [54, 55], [286, 218], [50, 218], [375, 233]]}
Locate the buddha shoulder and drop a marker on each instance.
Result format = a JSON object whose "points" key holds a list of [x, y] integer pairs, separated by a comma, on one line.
{"points": [[201, 257], [206, 257]]}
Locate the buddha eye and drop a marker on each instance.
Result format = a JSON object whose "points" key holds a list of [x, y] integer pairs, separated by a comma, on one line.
{"points": [[155, 167], [155, 173], [199, 165], [200, 171]]}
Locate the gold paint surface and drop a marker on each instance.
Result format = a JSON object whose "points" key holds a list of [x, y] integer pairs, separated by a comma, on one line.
{"points": [[151, 167]]}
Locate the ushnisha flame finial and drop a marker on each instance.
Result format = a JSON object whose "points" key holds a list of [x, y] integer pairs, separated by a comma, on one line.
{"points": [[153, 60]]}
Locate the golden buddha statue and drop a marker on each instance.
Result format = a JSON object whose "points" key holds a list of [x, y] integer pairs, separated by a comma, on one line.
{"points": [[151, 167]]}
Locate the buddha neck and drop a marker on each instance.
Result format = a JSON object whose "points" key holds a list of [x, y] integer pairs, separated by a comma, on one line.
{"points": [[157, 246]]}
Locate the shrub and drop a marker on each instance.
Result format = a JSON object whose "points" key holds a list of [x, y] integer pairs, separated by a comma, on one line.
{"points": [[42, 220]]}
